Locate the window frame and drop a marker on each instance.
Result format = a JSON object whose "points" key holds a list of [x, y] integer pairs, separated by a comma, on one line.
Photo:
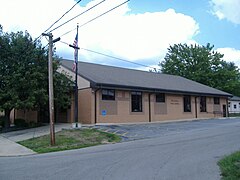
{"points": [[136, 101], [203, 104], [160, 98], [186, 102], [216, 100], [234, 106], [109, 95]]}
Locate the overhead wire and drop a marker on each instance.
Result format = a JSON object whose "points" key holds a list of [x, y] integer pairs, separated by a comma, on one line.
{"points": [[104, 13], [95, 17], [113, 57], [59, 19], [77, 15], [63, 15]]}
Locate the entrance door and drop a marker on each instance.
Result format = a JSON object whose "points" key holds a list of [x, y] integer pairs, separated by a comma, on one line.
{"points": [[224, 111]]}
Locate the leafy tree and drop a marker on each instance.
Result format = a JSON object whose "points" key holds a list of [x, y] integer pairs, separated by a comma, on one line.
{"points": [[202, 64], [24, 75]]}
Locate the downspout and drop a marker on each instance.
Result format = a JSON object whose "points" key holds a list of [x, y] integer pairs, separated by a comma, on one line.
{"points": [[227, 112], [196, 107], [95, 105], [149, 104]]}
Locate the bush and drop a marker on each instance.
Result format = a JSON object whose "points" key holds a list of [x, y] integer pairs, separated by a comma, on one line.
{"points": [[33, 124], [2, 121], [20, 123]]}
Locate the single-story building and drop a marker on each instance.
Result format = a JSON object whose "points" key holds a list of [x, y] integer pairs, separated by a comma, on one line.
{"points": [[108, 94], [118, 95], [234, 105]]}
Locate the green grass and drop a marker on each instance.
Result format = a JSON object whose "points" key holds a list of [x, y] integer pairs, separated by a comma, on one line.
{"points": [[70, 139], [234, 114], [230, 167]]}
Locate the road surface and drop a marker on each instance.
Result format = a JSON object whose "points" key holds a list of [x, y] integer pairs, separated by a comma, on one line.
{"points": [[189, 155]]}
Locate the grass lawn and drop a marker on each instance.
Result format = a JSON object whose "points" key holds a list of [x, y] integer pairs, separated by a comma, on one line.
{"points": [[230, 167], [70, 139]]}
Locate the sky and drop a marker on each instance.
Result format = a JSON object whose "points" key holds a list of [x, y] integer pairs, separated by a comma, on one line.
{"points": [[139, 31]]}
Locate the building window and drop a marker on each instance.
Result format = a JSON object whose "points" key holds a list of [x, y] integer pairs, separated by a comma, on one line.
{"points": [[235, 106], [136, 101], [187, 103], [203, 104], [216, 100], [160, 97], [108, 94]]}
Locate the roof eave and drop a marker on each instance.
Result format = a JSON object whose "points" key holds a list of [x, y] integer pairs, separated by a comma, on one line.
{"points": [[154, 90]]}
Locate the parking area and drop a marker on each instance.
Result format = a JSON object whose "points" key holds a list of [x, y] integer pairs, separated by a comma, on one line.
{"points": [[130, 132]]}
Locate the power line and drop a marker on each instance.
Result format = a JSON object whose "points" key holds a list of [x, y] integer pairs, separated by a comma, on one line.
{"points": [[113, 57], [68, 32], [59, 19], [95, 18], [63, 15], [104, 13], [78, 15]]}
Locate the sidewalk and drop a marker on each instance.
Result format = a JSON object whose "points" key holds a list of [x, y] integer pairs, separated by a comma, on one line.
{"points": [[9, 147]]}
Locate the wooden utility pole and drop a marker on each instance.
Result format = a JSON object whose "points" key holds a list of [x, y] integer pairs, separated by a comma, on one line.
{"points": [[50, 86]]}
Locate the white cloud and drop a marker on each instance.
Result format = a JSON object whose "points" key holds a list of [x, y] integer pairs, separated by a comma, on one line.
{"points": [[226, 9], [119, 33], [230, 55]]}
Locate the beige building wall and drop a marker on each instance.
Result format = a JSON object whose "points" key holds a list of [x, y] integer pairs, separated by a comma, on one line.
{"points": [[86, 106], [119, 111], [172, 109], [82, 83]]}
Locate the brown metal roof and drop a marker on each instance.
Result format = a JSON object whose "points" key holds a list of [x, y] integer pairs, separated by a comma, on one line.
{"points": [[109, 76]]}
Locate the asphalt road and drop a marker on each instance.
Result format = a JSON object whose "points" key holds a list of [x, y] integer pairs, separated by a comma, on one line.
{"points": [[189, 155]]}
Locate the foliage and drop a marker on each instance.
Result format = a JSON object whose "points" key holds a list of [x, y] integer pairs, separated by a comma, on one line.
{"points": [[24, 75], [2, 120], [20, 123], [70, 139], [230, 166], [202, 64]]}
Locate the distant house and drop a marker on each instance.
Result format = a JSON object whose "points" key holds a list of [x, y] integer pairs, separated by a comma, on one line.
{"points": [[109, 94], [234, 105]]}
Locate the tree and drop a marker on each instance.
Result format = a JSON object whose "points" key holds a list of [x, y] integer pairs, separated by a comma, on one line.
{"points": [[202, 64], [24, 74]]}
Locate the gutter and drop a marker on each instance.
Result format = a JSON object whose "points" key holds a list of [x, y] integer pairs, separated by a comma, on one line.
{"points": [[95, 105], [149, 106]]}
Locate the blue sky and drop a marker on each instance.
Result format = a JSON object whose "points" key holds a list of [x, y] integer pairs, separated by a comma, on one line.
{"points": [[139, 31], [221, 33]]}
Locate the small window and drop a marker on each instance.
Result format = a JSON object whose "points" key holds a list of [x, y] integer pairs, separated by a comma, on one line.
{"points": [[136, 101], [216, 100], [187, 103], [160, 97], [108, 94], [235, 106], [203, 104]]}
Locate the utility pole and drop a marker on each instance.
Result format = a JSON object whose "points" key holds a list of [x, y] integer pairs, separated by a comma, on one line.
{"points": [[50, 86]]}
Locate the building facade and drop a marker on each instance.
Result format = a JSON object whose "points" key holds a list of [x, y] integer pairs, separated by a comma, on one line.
{"points": [[109, 94], [116, 95], [234, 105]]}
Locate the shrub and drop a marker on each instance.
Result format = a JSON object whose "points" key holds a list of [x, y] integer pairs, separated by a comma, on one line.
{"points": [[20, 123], [2, 121]]}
